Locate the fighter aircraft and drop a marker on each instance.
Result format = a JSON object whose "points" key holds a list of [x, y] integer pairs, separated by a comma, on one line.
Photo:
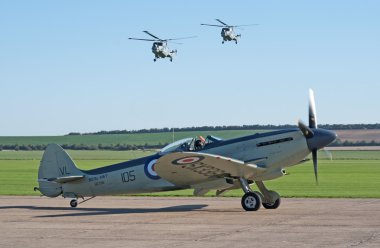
{"points": [[193, 163]]}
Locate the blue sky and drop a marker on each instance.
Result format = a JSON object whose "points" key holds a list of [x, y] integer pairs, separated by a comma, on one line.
{"points": [[69, 66]]}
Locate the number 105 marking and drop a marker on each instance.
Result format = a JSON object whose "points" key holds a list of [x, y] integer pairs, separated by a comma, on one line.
{"points": [[128, 176]]}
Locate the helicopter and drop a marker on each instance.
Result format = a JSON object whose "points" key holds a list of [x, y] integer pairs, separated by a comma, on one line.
{"points": [[160, 47], [228, 33]]}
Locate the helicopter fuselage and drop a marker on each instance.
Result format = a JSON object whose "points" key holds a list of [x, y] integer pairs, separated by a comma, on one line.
{"points": [[228, 34], [161, 50]]}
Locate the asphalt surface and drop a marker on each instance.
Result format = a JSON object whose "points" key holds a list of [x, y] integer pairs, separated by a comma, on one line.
{"points": [[187, 222]]}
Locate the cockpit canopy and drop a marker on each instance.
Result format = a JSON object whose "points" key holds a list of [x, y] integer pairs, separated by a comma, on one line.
{"points": [[189, 144]]}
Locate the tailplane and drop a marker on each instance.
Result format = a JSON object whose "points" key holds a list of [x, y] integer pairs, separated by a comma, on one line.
{"points": [[56, 168]]}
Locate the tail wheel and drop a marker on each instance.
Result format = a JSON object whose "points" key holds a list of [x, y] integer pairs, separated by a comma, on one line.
{"points": [[251, 201], [73, 203]]}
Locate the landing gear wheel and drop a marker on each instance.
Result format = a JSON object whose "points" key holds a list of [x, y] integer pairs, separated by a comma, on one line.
{"points": [[235, 41], [251, 201], [274, 205], [222, 42], [154, 60], [73, 203], [171, 60]]}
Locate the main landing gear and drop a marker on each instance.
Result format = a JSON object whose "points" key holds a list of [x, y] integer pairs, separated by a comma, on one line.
{"points": [[252, 200], [74, 202]]}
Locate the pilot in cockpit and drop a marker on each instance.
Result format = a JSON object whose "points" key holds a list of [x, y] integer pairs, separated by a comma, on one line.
{"points": [[199, 143]]}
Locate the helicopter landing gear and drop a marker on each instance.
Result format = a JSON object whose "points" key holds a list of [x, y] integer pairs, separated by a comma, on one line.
{"points": [[171, 59], [235, 41]]}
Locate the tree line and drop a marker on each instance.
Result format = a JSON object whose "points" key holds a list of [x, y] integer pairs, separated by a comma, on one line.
{"points": [[110, 147], [226, 128], [128, 147]]}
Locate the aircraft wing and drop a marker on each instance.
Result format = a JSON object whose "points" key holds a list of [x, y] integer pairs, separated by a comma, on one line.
{"points": [[190, 168]]}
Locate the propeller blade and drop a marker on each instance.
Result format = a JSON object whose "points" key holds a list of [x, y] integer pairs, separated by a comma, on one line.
{"points": [[141, 39], [212, 25], [312, 111], [152, 35], [222, 22], [315, 163], [307, 132]]}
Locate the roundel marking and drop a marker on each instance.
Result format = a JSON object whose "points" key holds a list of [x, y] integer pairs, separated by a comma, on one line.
{"points": [[150, 170], [188, 160]]}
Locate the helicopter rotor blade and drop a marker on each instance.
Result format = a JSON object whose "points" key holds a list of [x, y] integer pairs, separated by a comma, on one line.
{"points": [[151, 35], [245, 25], [177, 43], [225, 24], [220, 26], [141, 39], [181, 38]]}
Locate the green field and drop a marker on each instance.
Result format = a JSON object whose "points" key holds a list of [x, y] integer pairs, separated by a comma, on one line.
{"points": [[350, 174]]}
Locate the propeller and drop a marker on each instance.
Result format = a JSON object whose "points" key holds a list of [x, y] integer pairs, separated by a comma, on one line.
{"points": [[307, 132], [313, 124], [316, 138], [312, 111]]}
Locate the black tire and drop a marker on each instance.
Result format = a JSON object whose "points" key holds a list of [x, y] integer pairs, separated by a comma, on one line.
{"points": [[274, 205], [251, 201], [73, 203]]}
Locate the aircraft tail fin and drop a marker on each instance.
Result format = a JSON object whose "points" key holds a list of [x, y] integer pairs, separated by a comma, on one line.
{"points": [[56, 167]]}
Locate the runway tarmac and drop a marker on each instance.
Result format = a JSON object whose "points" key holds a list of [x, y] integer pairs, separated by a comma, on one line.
{"points": [[187, 222]]}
